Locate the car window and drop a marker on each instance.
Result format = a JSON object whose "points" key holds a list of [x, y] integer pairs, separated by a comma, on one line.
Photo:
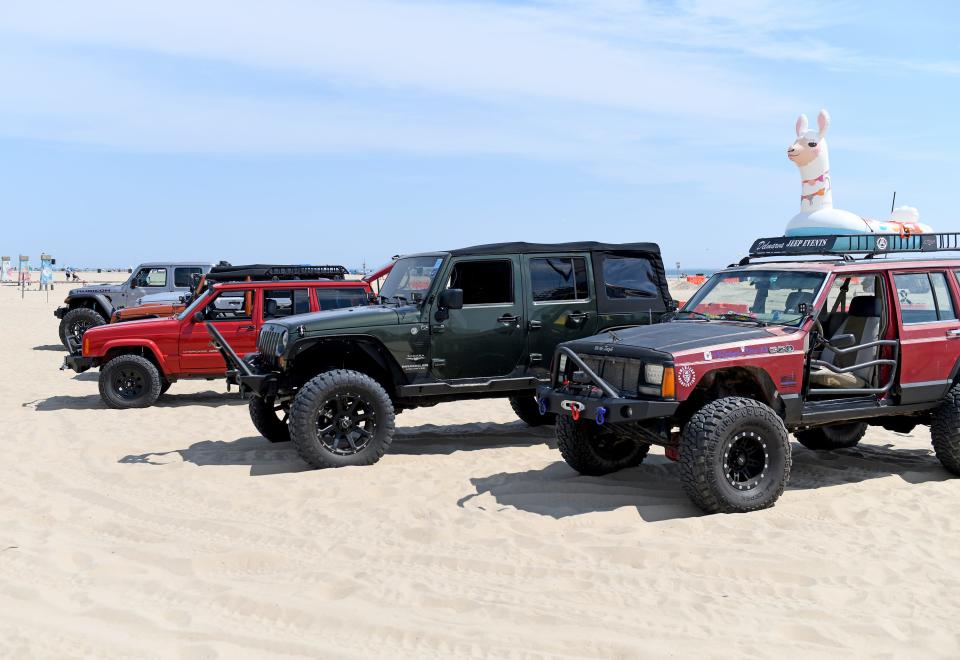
{"points": [[846, 287], [183, 276], [629, 277], [558, 278], [233, 305], [278, 303], [338, 298], [483, 282], [924, 297], [151, 277]]}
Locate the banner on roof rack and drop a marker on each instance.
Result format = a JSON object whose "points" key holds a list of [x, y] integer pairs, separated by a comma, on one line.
{"points": [[851, 244]]}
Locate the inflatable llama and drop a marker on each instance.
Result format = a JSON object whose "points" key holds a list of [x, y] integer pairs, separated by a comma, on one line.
{"points": [[817, 216]]}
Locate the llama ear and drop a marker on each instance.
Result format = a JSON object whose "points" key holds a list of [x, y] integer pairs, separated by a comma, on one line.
{"points": [[802, 125], [823, 122]]}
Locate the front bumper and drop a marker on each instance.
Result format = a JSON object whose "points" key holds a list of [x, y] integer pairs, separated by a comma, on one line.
{"points": [[77, 362], [262, 385], [614, 409], [59, 312]]}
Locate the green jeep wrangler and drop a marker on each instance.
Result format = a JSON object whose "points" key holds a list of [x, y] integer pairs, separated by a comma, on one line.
{"points": [[472, 323]]}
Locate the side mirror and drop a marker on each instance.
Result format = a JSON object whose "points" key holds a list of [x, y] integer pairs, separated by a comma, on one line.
{"points": [[198, 317], [450, 299], [673, 306], [843, 341]]}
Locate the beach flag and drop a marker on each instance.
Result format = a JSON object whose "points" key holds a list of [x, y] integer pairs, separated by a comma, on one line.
{"points": [[5, 269], [46, 271]]}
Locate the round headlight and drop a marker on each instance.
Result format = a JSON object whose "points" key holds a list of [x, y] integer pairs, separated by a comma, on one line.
{"points": [[282, 343], [653, 373]]}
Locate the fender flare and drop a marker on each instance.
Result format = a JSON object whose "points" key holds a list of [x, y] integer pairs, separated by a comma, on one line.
{"points": [[136, 343], [370, 345], [100, 301]]}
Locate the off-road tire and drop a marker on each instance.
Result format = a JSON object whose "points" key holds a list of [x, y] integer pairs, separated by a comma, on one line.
{"points": [[263, 414], [835, 436], [527, 408], [80, 315], [749, 429], [593, 450], [143, 380], [945, 431], [321, 394]]}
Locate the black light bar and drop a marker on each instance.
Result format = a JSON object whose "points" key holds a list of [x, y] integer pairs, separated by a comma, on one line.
{"points": [[226, 273], [826, 245]]}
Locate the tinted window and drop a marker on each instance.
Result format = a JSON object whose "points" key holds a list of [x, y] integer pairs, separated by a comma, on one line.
{"points": [[924, 297], [629, 277], [336, 298], [230, 306], [483, 282], [183, 277], [558, 278], [278, 303], [151, 277]]}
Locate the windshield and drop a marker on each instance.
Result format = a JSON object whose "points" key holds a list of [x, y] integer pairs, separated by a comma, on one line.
{"points": [[192, 307], [769, 296], [410, 276]]}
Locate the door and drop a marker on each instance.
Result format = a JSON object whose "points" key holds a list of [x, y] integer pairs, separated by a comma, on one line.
{"points": [[231, 311], [929, 334], [560, 304], [145, 282], [487, 338], [185, 278]]}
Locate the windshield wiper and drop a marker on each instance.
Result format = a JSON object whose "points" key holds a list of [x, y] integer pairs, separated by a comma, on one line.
{"points": [[737, 316], [699, 315]]}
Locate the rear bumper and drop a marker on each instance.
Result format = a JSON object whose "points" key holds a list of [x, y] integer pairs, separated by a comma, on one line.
{"points": [[614, 409], [78, 363]]}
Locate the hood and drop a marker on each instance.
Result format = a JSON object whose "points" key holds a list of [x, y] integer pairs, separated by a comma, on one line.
{"points": [[676, 336], [338, 319], [101, 290]]}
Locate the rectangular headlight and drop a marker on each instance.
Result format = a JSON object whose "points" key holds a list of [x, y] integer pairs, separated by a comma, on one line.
{"points": [[653, 373]]}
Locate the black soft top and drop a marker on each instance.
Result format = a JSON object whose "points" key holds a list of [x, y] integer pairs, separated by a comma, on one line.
{"points": [[580, 246]]}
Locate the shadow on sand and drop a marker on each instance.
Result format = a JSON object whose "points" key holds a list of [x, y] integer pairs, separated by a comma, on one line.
{"points": [[93, 401], [51, 347], [654, 488], [266, 458]]}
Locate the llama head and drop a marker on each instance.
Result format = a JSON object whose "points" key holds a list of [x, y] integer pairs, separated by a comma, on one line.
{"points": [[810, 144]]}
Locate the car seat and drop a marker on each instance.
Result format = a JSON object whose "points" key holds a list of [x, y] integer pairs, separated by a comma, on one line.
{"points": [[270, 308], [863, 322]]}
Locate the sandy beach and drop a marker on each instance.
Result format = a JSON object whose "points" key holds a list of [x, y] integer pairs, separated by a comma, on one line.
{"points": [[176, 531]]}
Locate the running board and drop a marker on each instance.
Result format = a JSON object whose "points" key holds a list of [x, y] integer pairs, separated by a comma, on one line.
{"points": [[852, 410], [486, 385]]}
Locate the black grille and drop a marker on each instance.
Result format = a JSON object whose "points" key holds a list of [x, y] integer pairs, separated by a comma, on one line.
{"points": [[622, 373], [267, 343]]}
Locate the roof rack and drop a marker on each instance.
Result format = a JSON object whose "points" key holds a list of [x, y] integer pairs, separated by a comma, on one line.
{"points": [[228, 273], [844, 245]]}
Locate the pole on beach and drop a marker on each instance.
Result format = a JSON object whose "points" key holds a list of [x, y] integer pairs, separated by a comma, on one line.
{"points": [[893, 202]]}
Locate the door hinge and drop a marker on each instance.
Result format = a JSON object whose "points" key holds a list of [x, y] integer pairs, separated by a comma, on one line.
{"points": [[536, 358]]}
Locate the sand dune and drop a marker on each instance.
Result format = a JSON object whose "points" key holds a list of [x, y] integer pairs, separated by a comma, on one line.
{"points": [[176, 531]]}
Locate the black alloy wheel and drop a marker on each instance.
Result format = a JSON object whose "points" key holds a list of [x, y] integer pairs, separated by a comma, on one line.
{"points": [[346, 423]]}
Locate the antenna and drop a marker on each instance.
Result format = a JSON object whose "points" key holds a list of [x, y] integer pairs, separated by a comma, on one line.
{"points": [[894, 201]]}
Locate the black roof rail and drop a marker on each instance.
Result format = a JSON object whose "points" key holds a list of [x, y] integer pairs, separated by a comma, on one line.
{"points": [[843, 246]]}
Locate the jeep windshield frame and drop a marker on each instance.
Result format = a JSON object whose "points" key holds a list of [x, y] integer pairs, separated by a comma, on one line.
{"points": [[410, 276], [765, 296]]}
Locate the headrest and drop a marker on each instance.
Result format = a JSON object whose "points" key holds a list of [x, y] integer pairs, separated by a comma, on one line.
{"points": [[865, 306], [270, 307]]}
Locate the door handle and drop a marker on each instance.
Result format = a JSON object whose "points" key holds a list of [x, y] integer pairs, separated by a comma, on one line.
{"points": [[508, 318], [247, 327], [576, 319], [953, 333]]}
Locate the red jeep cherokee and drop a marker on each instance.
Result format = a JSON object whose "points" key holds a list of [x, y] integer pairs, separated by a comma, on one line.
{"points": [[139, 360], [822, 349]]}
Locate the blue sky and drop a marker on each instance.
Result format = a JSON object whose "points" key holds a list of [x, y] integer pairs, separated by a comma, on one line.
{"points": [[351, 130]]}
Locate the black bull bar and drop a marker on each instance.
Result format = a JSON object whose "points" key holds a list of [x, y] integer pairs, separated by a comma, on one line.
{"points": [[239, 371], [612, 407]]}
